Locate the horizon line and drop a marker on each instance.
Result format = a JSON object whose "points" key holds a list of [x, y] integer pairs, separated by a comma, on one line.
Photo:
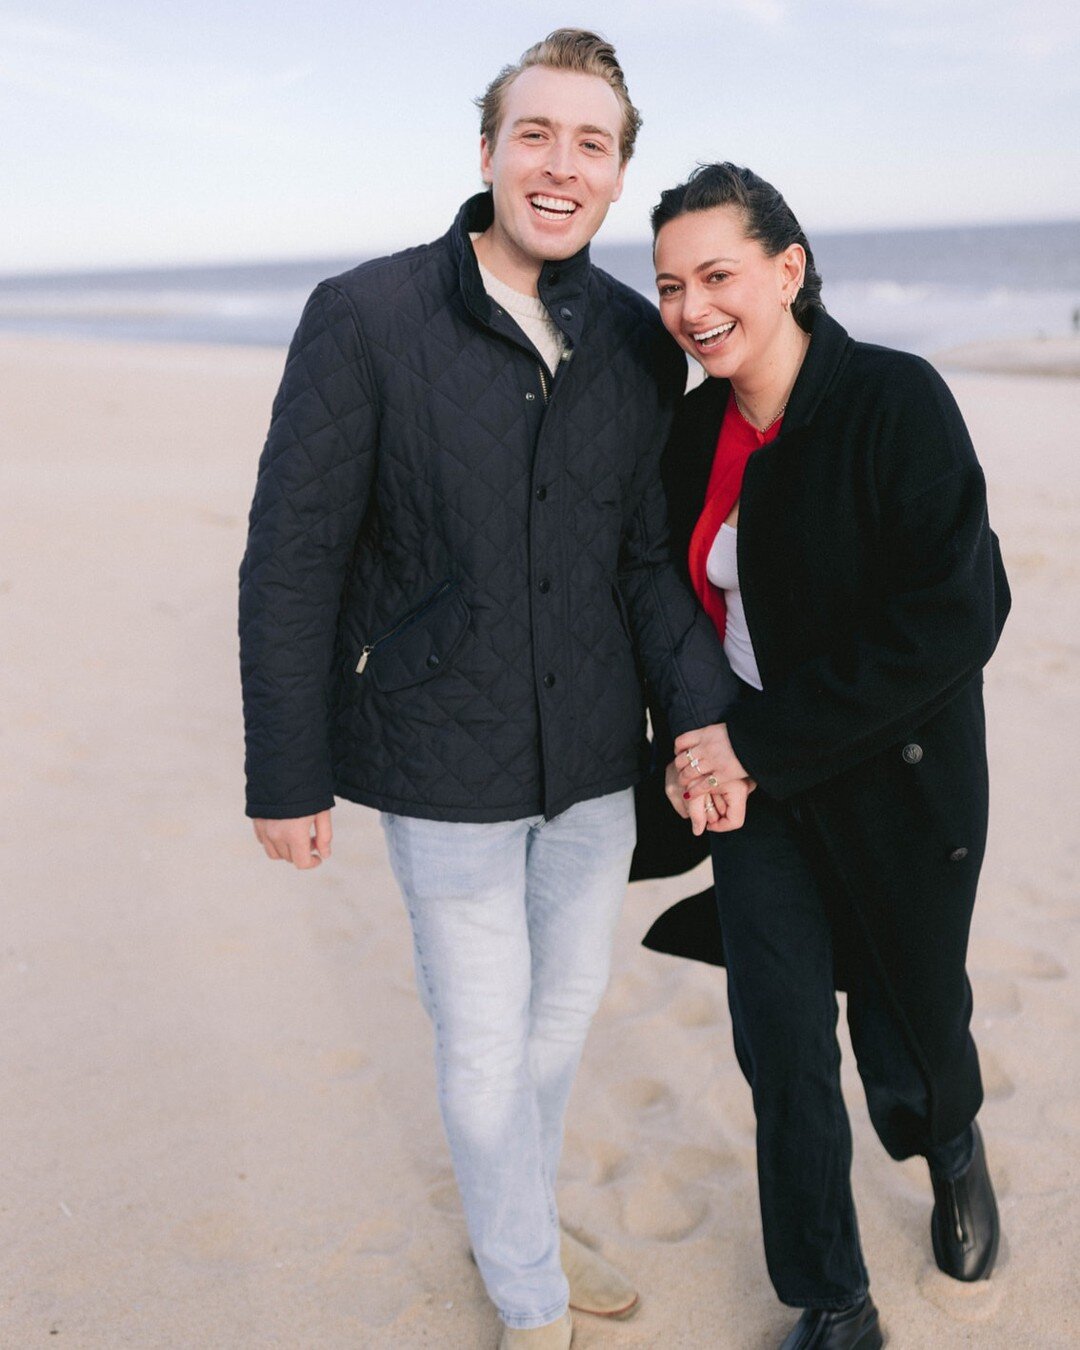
{"points": [[628, 241]]}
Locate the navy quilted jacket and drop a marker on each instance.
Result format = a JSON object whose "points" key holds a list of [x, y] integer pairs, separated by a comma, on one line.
{"points": [[453, 557]]}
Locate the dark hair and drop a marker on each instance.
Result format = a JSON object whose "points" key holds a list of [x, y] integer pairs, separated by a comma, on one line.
{"points": [[768, 218], [574, 49]]}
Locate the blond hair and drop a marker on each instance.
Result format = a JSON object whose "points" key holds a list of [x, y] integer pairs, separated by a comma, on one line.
{"points": [[573, 49]]}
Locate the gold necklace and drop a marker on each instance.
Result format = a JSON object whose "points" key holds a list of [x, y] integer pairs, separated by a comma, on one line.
{"points": [[772, 420], [805, 337]]}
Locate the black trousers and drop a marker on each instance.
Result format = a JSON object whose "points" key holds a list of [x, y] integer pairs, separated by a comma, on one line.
{"points": [[781, 914]]}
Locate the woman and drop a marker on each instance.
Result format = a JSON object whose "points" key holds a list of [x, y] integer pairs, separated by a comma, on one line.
{"points": [[833, 517]]}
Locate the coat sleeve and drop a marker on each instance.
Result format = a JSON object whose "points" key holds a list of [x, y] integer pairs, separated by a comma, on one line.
{"points": [[680, 653], [942, 603], [311, 495]]}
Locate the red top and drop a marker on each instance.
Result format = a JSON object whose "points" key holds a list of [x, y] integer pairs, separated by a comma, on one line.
{"points": [[737, 441]]}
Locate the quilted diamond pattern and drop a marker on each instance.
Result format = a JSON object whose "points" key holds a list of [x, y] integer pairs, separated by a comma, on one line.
{"points": [[415, 481]]}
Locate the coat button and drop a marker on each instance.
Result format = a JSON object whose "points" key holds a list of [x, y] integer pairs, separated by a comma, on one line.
{"points": [[958, 855], [543, 585], [529, 397], [549, 680], [912, 753], [566, 313], [433, 660], [541, 494]]}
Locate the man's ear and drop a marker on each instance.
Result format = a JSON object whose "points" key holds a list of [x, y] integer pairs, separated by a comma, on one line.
{"points": [[486, 173], [617, 190]]}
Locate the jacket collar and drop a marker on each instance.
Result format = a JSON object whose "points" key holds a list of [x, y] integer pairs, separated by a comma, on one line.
{"points": [[829, 352], [563, 284]]}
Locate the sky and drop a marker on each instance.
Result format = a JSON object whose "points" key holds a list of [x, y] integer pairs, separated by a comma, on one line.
{"points": [[175, 131]]}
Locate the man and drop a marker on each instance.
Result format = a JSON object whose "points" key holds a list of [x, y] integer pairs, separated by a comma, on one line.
{"points": [[457, 543]]}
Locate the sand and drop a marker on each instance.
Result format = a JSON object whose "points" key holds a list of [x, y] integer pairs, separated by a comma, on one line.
{"points": [[218, 1119]]}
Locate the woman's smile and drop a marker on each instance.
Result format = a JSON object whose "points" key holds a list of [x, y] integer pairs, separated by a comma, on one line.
{"points": [[712, 339]]}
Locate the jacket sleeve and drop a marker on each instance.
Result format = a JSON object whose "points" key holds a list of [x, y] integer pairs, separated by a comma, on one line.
{"points": [[680, 653], [311, 495], [943, 602]]}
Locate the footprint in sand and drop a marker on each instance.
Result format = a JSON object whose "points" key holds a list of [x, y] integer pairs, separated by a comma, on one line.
{"points": [[997, 1084], [707, 1165], [995, 995], [1010, 958], [662, 1206], [1049, 905], [346, 1063], [698, 1008], [630, 995], [443, 1196], [609, 1163], [591, 1161], [381, 1235], [976, 1302], [728, 1102], [647, 1098]]}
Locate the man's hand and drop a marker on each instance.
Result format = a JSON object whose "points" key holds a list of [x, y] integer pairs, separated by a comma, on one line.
{"points": [[719, 809], [304, 842], [706, 761]]}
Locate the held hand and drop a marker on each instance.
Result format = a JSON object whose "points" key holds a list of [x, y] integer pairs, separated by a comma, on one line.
{"points": [[706, 760], [730, 800], [304, 842], [719, 809]]}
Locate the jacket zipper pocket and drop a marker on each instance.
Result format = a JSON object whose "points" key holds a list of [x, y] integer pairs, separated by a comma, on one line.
{"points": [[401, 624]]}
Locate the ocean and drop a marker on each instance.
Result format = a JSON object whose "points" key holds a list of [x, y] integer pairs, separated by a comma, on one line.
{"points": [[921, 290]]}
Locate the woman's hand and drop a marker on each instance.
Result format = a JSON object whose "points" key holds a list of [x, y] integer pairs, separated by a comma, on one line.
{"points": [[718, 809], [706, 761]]}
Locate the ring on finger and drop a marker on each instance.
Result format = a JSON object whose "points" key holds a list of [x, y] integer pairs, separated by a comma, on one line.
{"points": [[709, 807], [695, 763], [712, 780]]}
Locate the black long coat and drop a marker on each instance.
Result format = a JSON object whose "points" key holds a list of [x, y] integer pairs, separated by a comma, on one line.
{"points": [[874, 594]]}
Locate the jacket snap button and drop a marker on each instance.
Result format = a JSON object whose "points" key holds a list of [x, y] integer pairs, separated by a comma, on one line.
{"points": [[549, 680], [543, 586], [433, 660], [541, 494], [566, 313], [530, 396], [912, 753], [958, 855]]}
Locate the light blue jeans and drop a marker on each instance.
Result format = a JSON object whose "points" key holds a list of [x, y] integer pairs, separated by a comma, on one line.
{"points": [[512, 928]]}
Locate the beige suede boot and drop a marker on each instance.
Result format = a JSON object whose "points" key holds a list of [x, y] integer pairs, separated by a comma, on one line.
{"points": [[595, 1285], [555, 1335]]}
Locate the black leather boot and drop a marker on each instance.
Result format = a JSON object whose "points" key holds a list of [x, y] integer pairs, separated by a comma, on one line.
{"points": [[964, 1227], [854, 1328]]}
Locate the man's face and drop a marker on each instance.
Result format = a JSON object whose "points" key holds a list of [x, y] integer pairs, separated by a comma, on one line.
{"points": [[555, 167]]}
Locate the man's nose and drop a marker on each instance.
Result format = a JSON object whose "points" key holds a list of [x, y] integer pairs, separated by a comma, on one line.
{"points": [[560, 163]]}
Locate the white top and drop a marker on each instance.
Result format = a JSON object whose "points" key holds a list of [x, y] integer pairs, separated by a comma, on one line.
{"points": [[529, 313], [722, 569]]}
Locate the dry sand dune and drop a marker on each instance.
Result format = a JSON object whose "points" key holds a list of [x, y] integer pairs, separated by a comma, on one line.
{"points": [[218, 1119]]}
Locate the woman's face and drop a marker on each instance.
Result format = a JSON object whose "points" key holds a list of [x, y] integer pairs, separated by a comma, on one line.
{"points": [[721, 296]]}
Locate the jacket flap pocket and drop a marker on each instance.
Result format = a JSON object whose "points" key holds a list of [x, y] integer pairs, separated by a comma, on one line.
{"points": [[422, 649]]}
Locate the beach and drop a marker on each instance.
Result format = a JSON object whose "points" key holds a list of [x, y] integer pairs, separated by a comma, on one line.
{"points": [[218, 1113]]}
